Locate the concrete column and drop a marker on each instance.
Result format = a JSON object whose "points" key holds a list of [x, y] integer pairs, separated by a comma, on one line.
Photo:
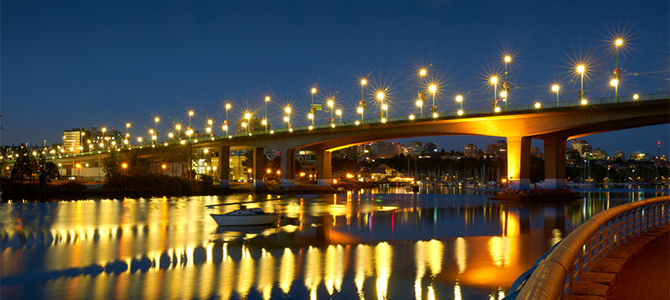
{"points": [[224, 167], [323, 172], [554, 163], [287, 167], [518, 161], [258, 167]]}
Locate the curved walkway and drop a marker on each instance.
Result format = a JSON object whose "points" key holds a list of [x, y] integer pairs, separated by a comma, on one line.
{"points": [[648, 277]]}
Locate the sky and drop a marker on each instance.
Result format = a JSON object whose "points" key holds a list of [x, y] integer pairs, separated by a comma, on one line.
{"points": [[70, 64]]}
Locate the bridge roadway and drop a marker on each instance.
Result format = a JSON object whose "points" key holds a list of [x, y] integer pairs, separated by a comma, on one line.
{"points": [[554, 123]]}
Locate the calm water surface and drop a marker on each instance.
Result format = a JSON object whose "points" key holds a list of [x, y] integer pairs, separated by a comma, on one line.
{"points": [[360, 246]]}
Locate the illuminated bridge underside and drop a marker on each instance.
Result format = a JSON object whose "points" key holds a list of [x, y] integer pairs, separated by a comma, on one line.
{"points": [[553, 125]]}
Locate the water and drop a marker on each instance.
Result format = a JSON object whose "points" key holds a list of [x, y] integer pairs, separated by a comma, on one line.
{"points": [[367, 246]]}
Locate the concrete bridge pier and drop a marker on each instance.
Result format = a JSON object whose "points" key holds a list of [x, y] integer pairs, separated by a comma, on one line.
{"points": [[518, 161], [224, 167], [258, 167], [287, 167], [554, 163], [323, 171]]}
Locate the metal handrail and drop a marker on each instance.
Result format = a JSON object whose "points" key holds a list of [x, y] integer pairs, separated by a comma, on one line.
{"points": [[556, 275]]}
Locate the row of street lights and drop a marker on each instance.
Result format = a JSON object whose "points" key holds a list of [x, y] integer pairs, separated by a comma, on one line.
{"points": [[381, 97]]}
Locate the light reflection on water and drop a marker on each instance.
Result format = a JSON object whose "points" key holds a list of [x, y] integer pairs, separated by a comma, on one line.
{"points": [[366, 246]]}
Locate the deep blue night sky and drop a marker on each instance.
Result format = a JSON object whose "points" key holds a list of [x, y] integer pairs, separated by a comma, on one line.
{"points": [[72, 64]]}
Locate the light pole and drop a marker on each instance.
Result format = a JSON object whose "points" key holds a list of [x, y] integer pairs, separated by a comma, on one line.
{"points": [[330, 107], [580, 69], [380, 96], [506, 85], [210, 122], [139, 140], [267, 99], [615, 84], [312, 109], [361, 105], [433, 109], [287, 119], [156, 120], [227, 123], [339, 114], [617, 71], [248, 117], [422, 73], [494, 81], [104, 129], [419, 103], [178, 128], [555, 88], [385, 108], [459, 99]]}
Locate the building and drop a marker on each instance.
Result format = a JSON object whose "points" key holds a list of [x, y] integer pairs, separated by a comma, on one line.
{"points": [[346, 152], [497, 150], [582, 147], [398, 148], [414, 148], [73, 140], [430, 148], [619, 154], [471, 150], [599, 154], [639, 156], [383, 149]]}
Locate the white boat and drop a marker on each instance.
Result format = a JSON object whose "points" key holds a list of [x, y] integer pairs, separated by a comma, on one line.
{"points": [[245, 217]]}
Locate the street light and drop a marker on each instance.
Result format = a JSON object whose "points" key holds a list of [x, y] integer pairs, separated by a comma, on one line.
{"points": [[312, 109], [190, 114], [494, 81], [580, 69], [139, 140], [287, 119], [422, 73], [127, 126], [267, 99], [248, 117], [459, 99], [555, 88], [361, 105], [636, 96], [380, 96], [433, 109], [419, 103], [615, 84], [506, 85], [339, 114], [330, 107]]}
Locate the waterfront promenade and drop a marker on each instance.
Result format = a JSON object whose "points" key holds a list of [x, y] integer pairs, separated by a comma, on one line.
{"points": [[648, 278]]}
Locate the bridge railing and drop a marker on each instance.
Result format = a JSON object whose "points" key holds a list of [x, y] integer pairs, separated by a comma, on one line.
{"points": [[556, 274]]}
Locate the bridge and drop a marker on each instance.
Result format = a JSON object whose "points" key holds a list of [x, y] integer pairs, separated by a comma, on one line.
{"points": [[553, 122]]}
